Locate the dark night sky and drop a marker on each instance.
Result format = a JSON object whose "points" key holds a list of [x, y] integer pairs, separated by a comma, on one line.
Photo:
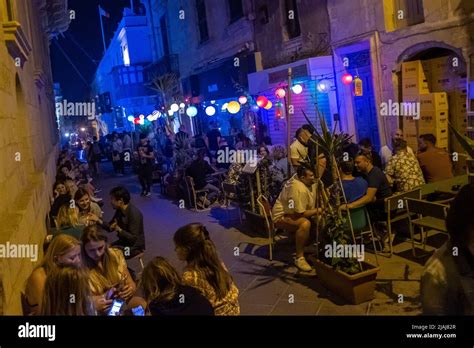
{"points": [[85, 30]]}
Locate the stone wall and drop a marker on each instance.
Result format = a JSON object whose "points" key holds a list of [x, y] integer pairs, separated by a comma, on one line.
{"points": [[446, 25], [272, 37], [225, 39], [28, 149]]}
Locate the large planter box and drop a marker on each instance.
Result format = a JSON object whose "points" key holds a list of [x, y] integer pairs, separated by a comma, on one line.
{"points": [[356, 288]]}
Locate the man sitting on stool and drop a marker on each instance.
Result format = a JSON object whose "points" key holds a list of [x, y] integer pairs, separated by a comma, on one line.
{"points": [[294, 209]]}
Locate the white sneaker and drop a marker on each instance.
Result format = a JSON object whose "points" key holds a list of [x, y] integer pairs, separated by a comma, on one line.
{"points": [[302, 264]]}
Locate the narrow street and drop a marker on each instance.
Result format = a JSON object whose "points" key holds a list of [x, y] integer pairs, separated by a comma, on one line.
{"points": [[266, 287]]}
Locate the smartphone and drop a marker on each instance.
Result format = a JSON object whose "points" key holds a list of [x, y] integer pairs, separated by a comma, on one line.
{"points": [[116, 307], [138, 311]]}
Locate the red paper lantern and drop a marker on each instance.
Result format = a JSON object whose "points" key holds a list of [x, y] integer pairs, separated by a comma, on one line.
{"points": [[262, 101], [346, 79], [280, 93]]}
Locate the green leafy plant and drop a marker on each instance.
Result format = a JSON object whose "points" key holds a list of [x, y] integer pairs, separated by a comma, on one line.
{"points": [[337, 229]]}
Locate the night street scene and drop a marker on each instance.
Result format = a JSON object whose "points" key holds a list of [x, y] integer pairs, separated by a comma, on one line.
{"points": [[237, 158]]}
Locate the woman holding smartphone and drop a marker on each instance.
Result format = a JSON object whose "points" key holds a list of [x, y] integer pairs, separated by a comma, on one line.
{"points": [[204, 270], [109, 276]]}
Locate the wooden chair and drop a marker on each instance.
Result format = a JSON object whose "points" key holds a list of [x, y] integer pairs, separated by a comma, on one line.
{"points": [[231, 194], [396, 210], [194, 194], [430, 215], [266, 210]]}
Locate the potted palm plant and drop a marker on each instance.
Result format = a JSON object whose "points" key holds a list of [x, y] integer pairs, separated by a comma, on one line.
{"points": [[350, 278]]}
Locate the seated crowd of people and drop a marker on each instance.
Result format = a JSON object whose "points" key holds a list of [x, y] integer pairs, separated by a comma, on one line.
{"points": [[80, 259], [367, 180], [209, 167], [85, 277], [83, 272], [367, 176]]}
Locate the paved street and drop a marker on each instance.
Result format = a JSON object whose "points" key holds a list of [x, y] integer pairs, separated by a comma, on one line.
{"points": [[266, 287]]}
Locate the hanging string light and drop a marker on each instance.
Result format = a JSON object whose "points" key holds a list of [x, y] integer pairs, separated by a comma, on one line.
{"points": [[297, 89], [268, 106], [191, 111], [233, 107], [347, 79], [174, 107], [262, 101], [323, 86], [243, 99], [210, 110], [280, 93]]}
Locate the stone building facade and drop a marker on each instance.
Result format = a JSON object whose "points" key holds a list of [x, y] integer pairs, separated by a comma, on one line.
{"points": [[373, 38], [28, 135]]}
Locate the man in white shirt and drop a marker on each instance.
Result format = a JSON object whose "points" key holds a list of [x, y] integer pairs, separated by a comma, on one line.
{"points": [[294, 209], [386, 152], [299, 148]]}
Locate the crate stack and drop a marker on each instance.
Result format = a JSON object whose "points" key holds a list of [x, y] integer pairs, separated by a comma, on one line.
{"points": [[434, 115], [415, 77], [444, 79], [442, 95]]}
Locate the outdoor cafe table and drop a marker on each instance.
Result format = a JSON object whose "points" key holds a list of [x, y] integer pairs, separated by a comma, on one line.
{"points": [[444, 186]]}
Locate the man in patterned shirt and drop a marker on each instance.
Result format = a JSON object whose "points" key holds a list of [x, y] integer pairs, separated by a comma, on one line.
{"points": [[403, 169]]}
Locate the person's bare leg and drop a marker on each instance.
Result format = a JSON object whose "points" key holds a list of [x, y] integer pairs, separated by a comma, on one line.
{"points": [[302, 236]]}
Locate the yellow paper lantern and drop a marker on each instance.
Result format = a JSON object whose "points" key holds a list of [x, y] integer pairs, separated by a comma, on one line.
{"points": [[268, 106], [233, 107]]}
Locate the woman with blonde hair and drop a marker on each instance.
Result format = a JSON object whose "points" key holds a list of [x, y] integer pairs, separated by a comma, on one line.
{"points": [[67, 292], [67, 221], [109, 275], [64, 250], [204, 270], [166, 294], [89, 211]]}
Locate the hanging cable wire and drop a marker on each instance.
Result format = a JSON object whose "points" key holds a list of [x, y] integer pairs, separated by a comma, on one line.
{"points": [[70, 62], [74, 41]]}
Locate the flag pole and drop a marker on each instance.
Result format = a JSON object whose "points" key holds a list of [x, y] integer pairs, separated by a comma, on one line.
{"points": [[102, 27]]}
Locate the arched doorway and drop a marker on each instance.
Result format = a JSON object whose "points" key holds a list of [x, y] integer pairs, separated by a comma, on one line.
{"points": [[442, 69]]}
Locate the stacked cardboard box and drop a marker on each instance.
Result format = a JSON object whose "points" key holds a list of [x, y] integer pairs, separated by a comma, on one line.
{"points": [[445, 79], [415, 82], [415, 78], [434, 117], [425, 82]]}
